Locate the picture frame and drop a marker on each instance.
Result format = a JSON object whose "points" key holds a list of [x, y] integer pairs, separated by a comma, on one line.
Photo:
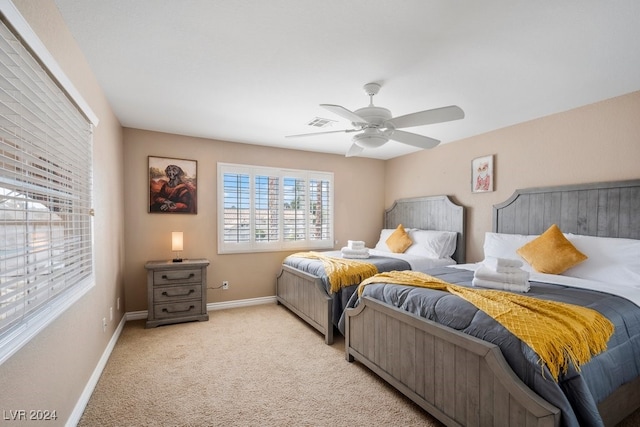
{"points": [[173, 185], [482, 175]]}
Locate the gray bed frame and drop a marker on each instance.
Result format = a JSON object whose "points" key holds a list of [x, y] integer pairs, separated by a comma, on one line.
{"points": [[462, 380], [305, 295]]}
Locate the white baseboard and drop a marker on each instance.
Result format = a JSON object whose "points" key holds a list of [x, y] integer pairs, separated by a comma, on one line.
{"points": [[213, 306], [78, 410], [240, 303], [138, 315]]}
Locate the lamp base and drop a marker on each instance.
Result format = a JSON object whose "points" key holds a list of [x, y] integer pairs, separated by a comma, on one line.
{"points": [[177, 260]]}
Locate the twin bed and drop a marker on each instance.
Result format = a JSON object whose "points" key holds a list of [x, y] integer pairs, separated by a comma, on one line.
{"points": [[445, 367], [302, 288]]}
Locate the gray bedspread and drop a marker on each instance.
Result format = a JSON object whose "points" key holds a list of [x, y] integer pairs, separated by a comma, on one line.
{"points": [[576, 394], [340, 298]]}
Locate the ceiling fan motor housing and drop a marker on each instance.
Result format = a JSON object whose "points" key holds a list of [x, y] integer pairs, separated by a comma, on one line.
{"points": [[372, 136], [373, 115]]}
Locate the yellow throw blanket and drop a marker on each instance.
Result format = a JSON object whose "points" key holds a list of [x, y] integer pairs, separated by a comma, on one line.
{"points": [[559, 333], [340, 271]]}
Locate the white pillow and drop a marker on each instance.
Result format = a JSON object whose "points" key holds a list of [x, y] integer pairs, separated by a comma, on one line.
{"points": [[500, 245], [611, 260], [432, 243]]}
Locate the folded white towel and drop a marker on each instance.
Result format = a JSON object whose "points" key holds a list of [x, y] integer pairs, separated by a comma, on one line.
{"points": [[500, 285], [346, 249], [355, 253], [502, 265], [355, 244], [514, 276], [355, 256]]}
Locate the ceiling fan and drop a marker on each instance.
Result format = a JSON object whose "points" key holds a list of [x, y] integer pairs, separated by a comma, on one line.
{"points": [[376, 126]]}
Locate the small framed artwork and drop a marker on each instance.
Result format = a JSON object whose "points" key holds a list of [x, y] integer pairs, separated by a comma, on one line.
{"points": [[482, 174], [173, 185]]}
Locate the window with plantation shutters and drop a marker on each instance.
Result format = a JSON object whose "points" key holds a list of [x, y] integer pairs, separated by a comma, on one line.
{"points": [[46, 247], [271, 209]]}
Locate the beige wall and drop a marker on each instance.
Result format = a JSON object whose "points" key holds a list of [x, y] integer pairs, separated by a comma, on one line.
{"points": [[52, 370], [598, 142], [359, 202]]}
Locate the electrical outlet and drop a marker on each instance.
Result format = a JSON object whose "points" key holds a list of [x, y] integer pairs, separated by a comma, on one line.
{"points": [[225, 284], [104, 324]]}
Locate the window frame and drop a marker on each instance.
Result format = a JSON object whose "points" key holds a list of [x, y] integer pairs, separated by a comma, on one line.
{"points": [[16, 336], [253, 245]]}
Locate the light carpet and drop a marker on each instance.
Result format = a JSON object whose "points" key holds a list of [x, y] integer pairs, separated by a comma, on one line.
{"points": [[250, 366]]}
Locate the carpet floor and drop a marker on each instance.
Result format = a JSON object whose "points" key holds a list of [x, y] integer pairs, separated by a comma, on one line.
{"points": [[250, 366]]}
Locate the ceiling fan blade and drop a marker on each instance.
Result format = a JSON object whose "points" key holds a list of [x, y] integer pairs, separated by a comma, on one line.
{"points": [[428, 117], [354, 150], [344, 113], [413, 139], [322, 133]]}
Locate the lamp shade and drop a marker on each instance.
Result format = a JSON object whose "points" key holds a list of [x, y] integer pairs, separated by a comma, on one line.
{"points": [[176, 240]]}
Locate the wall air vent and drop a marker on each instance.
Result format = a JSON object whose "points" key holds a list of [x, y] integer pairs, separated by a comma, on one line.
{"points": [[320, 122]]}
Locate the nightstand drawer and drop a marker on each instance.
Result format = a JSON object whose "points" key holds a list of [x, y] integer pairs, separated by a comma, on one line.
{"points": [[176, 309], [166, 277], [173, 293]]}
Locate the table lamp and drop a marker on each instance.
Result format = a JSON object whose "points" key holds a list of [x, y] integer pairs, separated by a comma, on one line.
{"points": [[176, 245]]}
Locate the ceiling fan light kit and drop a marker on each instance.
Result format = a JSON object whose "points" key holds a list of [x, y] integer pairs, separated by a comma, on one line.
{"points": [[371, 138], [378, 126]]}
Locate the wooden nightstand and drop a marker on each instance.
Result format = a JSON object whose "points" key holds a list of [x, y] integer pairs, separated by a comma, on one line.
{"points": [[176, 291]]}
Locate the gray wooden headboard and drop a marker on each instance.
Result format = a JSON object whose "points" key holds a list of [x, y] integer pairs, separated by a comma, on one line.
{"points": [[604, 209], [430, 213]]}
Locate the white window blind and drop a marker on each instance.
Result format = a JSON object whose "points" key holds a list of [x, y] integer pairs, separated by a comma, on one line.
{"points": [[271, 209], [46, 253]]}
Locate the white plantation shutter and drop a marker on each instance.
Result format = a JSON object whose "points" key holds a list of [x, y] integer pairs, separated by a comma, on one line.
{"points": [[321, 208], [267, 212], [46, 253], [236, 215], [270, 209], [296, 209]]}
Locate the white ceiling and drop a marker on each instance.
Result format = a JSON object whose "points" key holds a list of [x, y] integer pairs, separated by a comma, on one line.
{"points": [[254, 71]]}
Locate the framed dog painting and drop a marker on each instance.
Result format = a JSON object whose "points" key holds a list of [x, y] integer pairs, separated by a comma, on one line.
{"points": [[173, 186]]}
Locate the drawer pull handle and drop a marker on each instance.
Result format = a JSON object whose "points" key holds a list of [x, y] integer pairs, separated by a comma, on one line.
{"points": [[166, 310], [181, 294], [165, 277]]}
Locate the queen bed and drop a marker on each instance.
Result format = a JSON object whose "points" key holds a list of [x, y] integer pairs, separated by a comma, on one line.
{"points": [[466, 371], [302, 287]]}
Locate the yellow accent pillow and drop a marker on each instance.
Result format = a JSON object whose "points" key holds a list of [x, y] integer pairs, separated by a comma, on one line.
{"points": [[399, 241], [551, 252]]}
